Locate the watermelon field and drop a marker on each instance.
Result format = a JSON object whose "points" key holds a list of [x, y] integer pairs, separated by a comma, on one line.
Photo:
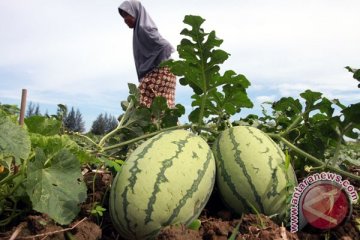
{"points": [[220, 175]]}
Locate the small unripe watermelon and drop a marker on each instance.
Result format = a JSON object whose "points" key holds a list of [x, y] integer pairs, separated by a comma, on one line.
{"points": [[166, 180], [251, 172]]}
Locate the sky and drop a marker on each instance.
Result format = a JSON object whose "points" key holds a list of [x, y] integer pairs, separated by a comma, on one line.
{"points": [[79, 53]]}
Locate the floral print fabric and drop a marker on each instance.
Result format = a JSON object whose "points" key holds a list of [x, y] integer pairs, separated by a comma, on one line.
{"points": [[159, 82]]}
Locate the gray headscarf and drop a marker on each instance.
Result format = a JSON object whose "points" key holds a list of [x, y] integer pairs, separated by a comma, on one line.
{"points": [[149, 47]]}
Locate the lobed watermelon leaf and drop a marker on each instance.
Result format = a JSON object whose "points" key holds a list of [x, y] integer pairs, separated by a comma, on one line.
{"points": [[51, 145], [14, 141], [9, 111], [162, 115], [199, 68], [55, 185], [43, 125]]}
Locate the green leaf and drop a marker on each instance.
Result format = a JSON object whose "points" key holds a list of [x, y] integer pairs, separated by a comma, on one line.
{"points": [[325, 106], [171, 117], [14, 141], [195, 22], [43, 125], [231, 77], [311, 97], [134, 91], [51, 145], [212, 41], [318, 117], [58, 189], [134, 97], [136, 120], [187, 51], [218, 56], [98, 210], [288, 105], [162, 115], [158, 106], [194, 115], [124, 105], [195, 225], [235, 232], [338, 103], [352, 113], [237, 97], [11, 111], [357, 75], [116, 164], [199, 68], [351, 121]]}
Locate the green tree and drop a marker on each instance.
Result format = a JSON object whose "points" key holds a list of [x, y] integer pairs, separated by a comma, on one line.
{"points": [[33, 110], [79, 122], [98, 126], [73, 121], [110, 122], [104, 123]]}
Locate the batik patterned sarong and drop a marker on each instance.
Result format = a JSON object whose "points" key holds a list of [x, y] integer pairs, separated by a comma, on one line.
{"points": [[159, 82]]}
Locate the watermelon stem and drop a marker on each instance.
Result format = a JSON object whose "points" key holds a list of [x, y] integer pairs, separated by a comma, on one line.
{"points": [[298, 119], [235, 230], [185, 126], [85, 137], [256, 211], [204, 85], [119, 126], [315, 160], [332, 161]]}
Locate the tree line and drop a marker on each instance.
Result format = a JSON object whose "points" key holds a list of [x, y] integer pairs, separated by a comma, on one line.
{"points": [[73, 121]]}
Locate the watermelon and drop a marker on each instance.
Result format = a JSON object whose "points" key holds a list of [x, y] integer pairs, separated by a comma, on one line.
{"points": [[251, 172], [166, 180]]}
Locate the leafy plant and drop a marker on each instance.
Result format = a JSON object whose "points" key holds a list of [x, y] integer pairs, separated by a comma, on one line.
{"points": [[310, 124], [97, 210], [356, 73], [199, 68], [40, 170]]}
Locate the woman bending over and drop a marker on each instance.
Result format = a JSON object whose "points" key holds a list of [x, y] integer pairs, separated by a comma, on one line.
{"points": [[150, 49]]}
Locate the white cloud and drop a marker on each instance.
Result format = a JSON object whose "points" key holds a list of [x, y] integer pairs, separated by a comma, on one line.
{"points": [[80, 51], [262, 99]]}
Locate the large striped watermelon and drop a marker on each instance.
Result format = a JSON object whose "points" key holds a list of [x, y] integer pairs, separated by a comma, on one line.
{"points": [[167, 180], [251, 171]]}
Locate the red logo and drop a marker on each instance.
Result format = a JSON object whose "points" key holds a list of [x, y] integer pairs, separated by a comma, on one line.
{"points": [[325, 205]]}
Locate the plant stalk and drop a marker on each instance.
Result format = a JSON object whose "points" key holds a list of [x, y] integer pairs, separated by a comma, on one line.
{"points": [[293, 124], [204, 80], [186, 126], [87, 138], [119, 126]]}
